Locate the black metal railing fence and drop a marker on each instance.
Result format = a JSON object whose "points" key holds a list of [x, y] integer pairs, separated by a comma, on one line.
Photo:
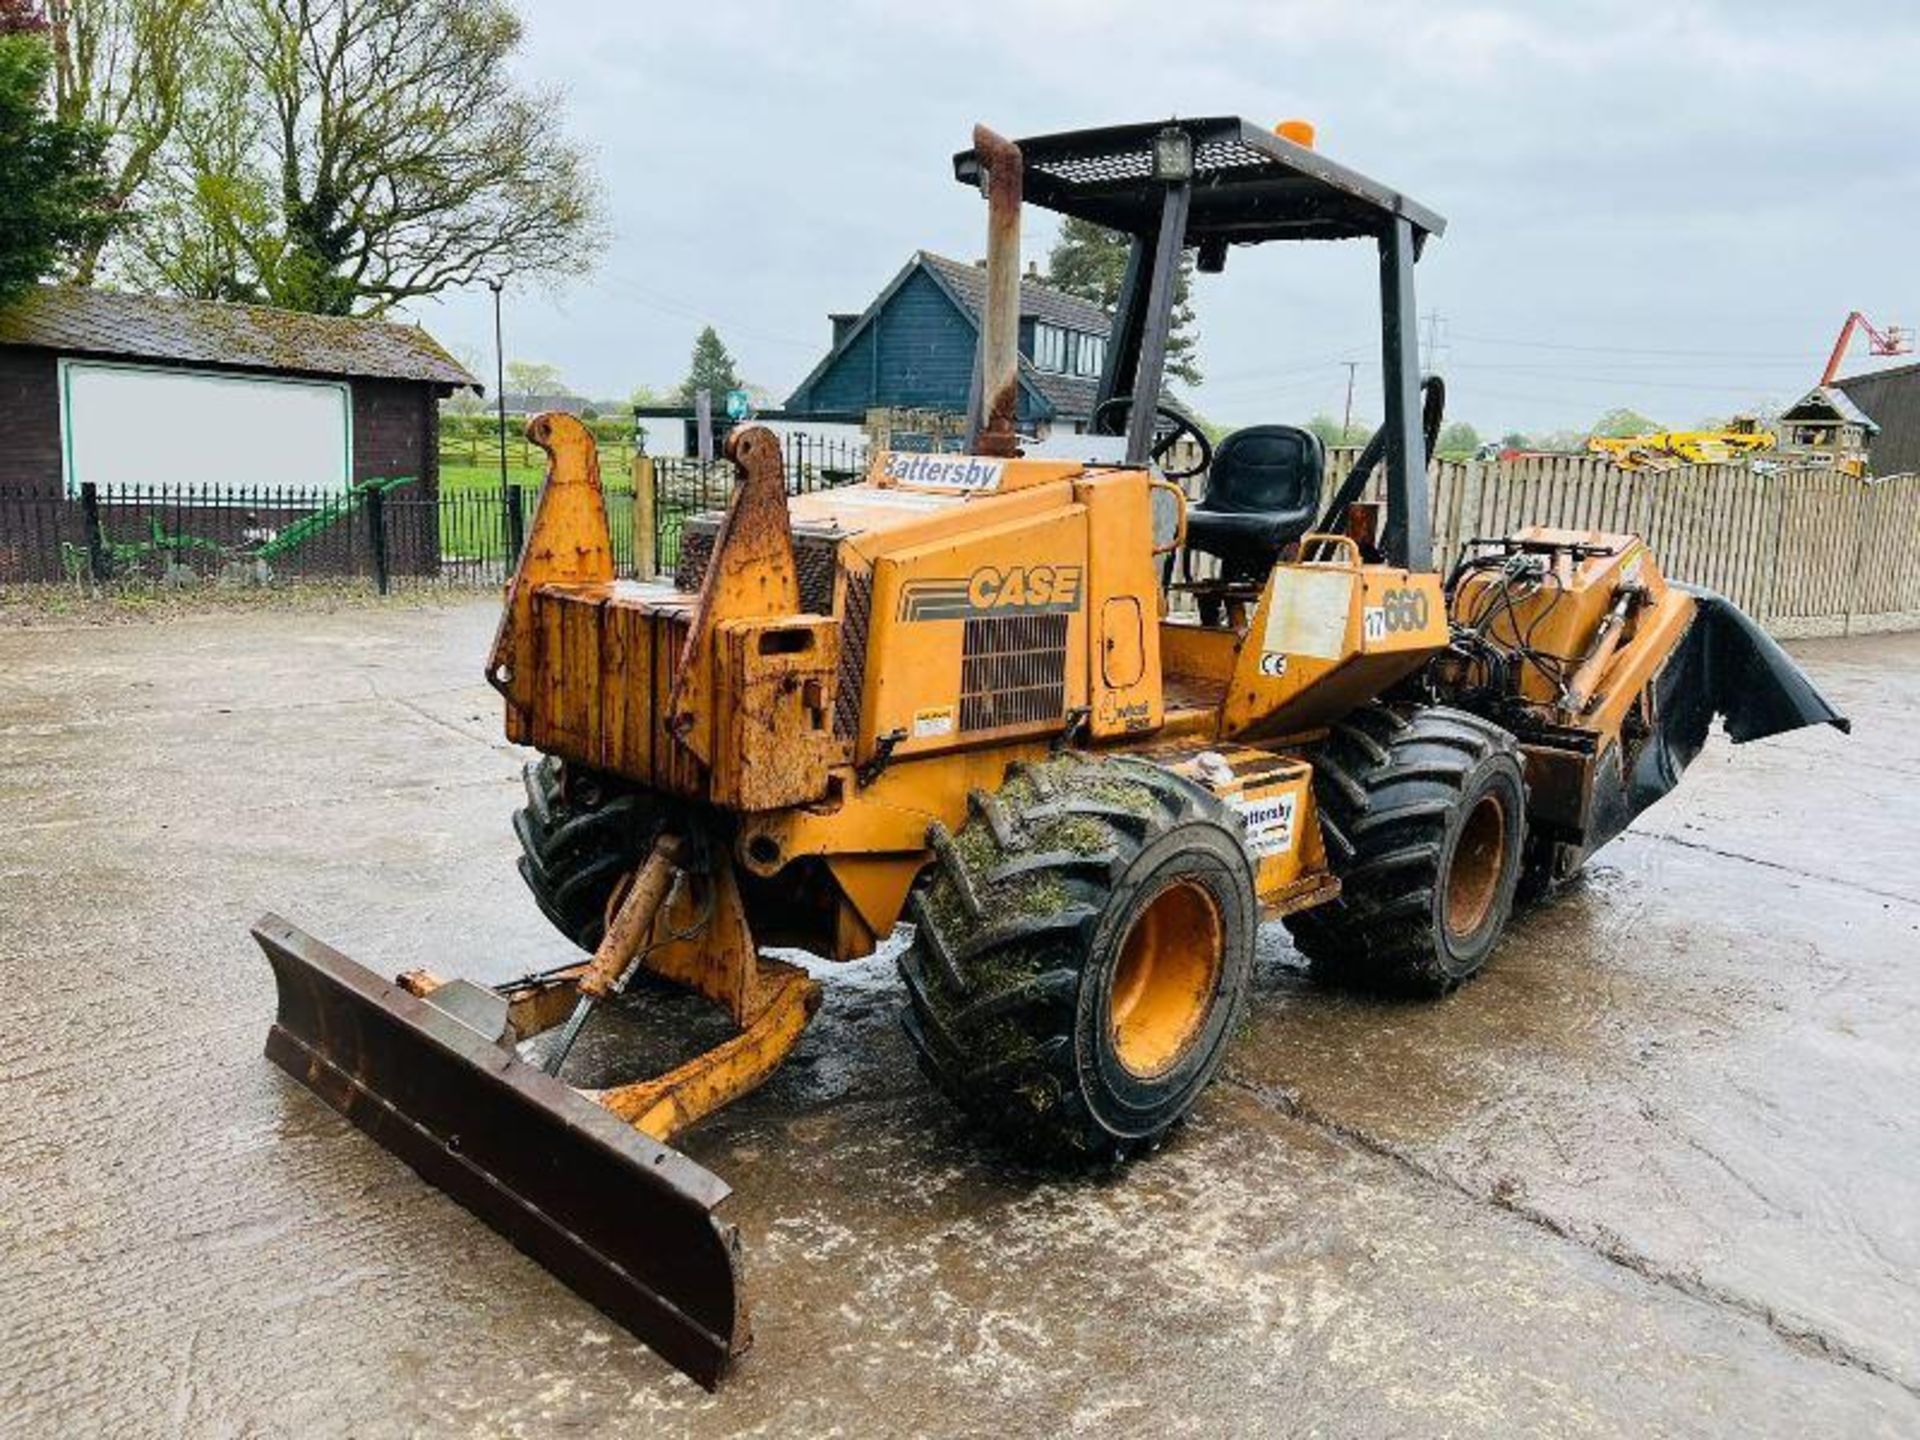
{"points": [[386, 533], [685, 486]]}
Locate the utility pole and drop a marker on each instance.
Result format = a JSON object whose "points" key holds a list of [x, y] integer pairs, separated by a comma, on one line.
{"points": [[1346, 420], [1435, 321]]}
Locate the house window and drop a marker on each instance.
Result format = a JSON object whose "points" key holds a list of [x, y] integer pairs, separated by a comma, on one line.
{"points": [[1089, 355], [1068, 352], [1050, 348]]}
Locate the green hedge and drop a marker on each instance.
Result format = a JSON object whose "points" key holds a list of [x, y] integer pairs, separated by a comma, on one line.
{"points": [[465, 430]]}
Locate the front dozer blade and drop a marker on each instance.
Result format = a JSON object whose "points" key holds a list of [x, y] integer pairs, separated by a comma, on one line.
{"points": [[627, 1222]]}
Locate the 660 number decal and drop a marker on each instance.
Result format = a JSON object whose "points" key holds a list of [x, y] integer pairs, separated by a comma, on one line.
{"points": [[1397, 612]]}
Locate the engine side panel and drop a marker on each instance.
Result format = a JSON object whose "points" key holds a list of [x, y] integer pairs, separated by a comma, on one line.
{"points": [[977, 635]]}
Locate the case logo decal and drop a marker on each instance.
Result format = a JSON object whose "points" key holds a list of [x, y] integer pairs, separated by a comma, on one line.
{"points": [[994, 590]]}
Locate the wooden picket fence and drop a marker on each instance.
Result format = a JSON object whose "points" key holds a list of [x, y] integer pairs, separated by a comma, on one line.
{"points": [[1805, 552]]}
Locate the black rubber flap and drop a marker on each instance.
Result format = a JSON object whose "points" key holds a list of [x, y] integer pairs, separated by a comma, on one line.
{"points": [[1748, 678], [1724, 666]]}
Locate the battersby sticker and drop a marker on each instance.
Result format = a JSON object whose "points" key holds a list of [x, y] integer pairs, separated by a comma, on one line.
{"points": [[944, 472], [994, 590], [929, 723], [1269, 822]]}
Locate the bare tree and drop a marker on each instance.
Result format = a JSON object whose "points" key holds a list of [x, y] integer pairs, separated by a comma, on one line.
{"points": [[343, 156], [124, 66], [208, 220]]}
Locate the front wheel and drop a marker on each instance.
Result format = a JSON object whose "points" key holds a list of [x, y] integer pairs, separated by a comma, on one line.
{"points": [[1081, 954], [577, 843], [1424, 813]]}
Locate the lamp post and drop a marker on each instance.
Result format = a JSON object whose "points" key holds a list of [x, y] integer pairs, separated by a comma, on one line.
{"points": [[509, 509]]}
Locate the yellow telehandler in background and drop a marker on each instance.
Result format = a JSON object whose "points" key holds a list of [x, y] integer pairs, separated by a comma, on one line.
{"points": [[1665, 449]]}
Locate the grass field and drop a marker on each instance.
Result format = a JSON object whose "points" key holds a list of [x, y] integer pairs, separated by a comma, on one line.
{"points": [[461, 479], [461, 469], [470, 523]]}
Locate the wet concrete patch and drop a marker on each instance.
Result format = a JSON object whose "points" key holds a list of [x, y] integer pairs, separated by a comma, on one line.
{"points": [[1651, 1173], [1683, 1063]]}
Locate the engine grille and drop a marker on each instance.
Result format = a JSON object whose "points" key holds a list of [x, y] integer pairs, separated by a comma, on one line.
{"points": [[696, 549], [816, 553], [1013, 671], [852, 678]]}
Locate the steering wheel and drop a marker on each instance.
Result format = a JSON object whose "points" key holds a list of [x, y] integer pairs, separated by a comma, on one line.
{"points": [[1106, 421]]}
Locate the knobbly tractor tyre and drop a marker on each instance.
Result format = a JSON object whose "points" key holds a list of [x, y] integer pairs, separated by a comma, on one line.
{"points": [[1423, 811], [577, 842], [1080, 955]]}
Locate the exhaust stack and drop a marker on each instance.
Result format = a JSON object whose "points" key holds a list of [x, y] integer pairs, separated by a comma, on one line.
{"points": [[999, 362]]}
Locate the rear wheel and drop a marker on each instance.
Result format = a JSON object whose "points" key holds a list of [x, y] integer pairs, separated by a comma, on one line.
{"points": [[577, 842], [1081, 954], [1424, 813]]}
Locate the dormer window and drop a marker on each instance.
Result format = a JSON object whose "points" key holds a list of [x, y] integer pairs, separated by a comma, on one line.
{"points": [[1068, 352], [1050, 348]]}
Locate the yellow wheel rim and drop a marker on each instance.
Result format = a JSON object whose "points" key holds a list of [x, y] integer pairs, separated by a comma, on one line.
{"points": [[1164, 983], [1479, 859]]}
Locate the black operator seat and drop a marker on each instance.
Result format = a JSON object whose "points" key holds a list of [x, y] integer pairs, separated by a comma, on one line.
{"points": [[1263, 493]]}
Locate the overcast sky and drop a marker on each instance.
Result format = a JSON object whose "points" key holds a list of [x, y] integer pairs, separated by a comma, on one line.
{"points": [[1671, 207]]}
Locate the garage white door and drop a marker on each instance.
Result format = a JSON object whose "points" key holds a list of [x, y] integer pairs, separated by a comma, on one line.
{"points": [[129, 425]]}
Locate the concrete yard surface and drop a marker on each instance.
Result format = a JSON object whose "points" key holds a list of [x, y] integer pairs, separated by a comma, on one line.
{"points": [[1656, 1172]]}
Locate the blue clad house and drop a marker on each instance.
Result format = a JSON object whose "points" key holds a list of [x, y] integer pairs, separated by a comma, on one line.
{"points": [[913, 348]]}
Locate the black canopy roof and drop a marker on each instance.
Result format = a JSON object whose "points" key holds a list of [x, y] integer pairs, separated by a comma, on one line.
{"points": [[1249, 184]]}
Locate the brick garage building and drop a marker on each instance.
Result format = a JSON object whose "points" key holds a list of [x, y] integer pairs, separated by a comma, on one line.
{"points": [[138, 392]]}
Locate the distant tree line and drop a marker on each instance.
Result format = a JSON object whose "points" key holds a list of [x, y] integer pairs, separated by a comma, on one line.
{"points": [[710, 367]]}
